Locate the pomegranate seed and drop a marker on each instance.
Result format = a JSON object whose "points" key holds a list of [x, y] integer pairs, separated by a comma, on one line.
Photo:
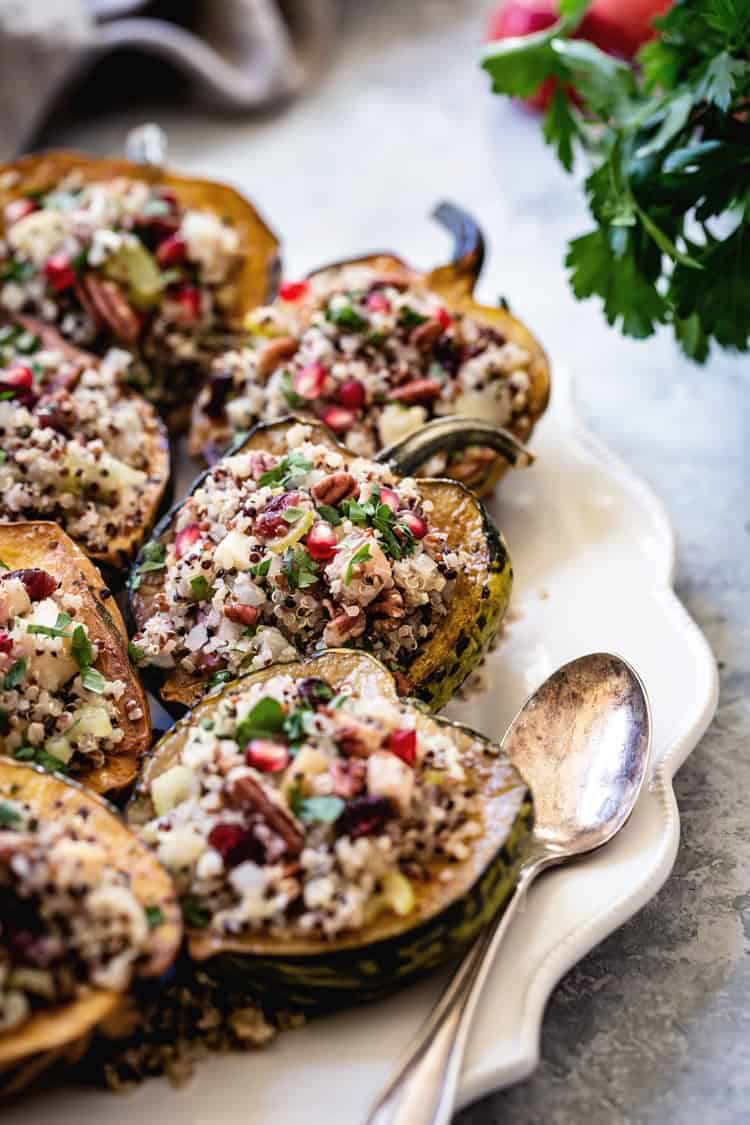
{"points": [[403, 743], [270, 757], [337, 418], [234, 844], [309, 382], [241, 614], [6, 642], [271, 523], [378, 302], [444, 318], [292, 290], [184, 539], [389, 497], [38, 584], [417, 525], [171, 251], [18, 209], [17, 376], [351, 393], [59, 272], [189, 299], [321, 542]]}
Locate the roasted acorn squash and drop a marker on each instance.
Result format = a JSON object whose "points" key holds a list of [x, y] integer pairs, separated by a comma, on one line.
{"points": [[454, 284], [169, 382], [61, 1034], [483, 587], [44, 402], [44, 547], [444, 916]]}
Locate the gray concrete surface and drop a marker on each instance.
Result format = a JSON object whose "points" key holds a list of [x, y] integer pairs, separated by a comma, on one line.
{"points": [[654, 1026]]}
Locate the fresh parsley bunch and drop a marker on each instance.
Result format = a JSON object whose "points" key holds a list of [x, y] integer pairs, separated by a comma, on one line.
{"points": [[669, 148]]}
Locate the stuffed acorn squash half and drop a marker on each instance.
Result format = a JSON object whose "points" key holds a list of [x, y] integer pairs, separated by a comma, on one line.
{"points": [[292, 543], [84, 909], [69, 699], [376, 348], [78, 447], [113, 252], [330, 840]]}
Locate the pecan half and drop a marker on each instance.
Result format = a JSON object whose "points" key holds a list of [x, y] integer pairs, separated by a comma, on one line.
{"points": [[343, 628], [248, 793], [416, 390], [241, 614], [334, 488], [389, 607], [106, 304], [425, 335], [271, 354]]}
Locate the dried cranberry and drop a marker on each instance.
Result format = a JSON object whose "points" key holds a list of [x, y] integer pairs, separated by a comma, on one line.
{"points": [[314, 690], [6, 642], [338, 419], [365, 816], [59, 272], [171, 251], [351, 393], [49, 416], [271, 523], [403, 743], [444, 318], [241, 614], [292, 290], [389, 498], [416, 524], [185, 539], [18, 209], [39, 584], [235, 844], [321, 542], [378, 302], [220, 384], [154, 229], [270, 757], [310, 381]]}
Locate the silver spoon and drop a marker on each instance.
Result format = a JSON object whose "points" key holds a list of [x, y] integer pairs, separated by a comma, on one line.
{"points": [[582, 742]]}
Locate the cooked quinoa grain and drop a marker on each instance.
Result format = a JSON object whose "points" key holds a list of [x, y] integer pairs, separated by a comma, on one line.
{"points": [[294, 810]]}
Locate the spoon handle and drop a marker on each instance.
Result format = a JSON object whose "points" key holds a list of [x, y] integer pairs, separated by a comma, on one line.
{"points": [[422, 1090]]}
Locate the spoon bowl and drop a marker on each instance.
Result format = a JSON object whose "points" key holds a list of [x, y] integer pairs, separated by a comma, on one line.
{"points": [[582, 741]]}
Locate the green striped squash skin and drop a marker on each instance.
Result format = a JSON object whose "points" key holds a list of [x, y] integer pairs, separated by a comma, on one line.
{"points": [[354, 976]]}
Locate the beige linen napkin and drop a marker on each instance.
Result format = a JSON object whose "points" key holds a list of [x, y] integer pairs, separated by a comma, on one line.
{"points": [[238, 54]]}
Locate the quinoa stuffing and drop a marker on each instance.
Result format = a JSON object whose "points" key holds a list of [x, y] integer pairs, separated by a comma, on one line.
{"points": [[296, 811], [121, 261], [274, 555], [56, 707], [374, 357], [74, 447], [71, 921]]}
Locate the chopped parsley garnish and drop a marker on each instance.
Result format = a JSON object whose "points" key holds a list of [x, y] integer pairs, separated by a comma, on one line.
{"points": [[194, 915], [410, 318], [294, 723], [300, 569], [9, 817], [25, 754], [27, 343], [291, 467], [81, 647], [292, 399], [346, 317], [154, 916], [93, 681], [361, 555], [201, 588], [223, 676], [266, 718], [15, 674], [135, 653], [329, 514], [41, 758], [397, 540], [291, 515], [260, 570], [56, 630], [152, 558]]}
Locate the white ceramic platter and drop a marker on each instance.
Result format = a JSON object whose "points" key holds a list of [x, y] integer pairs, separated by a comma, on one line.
{"points": [[593, 554]]}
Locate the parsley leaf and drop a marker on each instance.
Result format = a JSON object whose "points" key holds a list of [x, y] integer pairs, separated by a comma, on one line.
{"points": [[362, 554], [93, 681], [152, 558], [201, 588], [56, 630], [81, 647], [260, 570], [135, 653], [15, 674], [194, 915], [154, 916], [266, 718], [329, 514], [9, 816], [289, 469], [300, 569]]}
